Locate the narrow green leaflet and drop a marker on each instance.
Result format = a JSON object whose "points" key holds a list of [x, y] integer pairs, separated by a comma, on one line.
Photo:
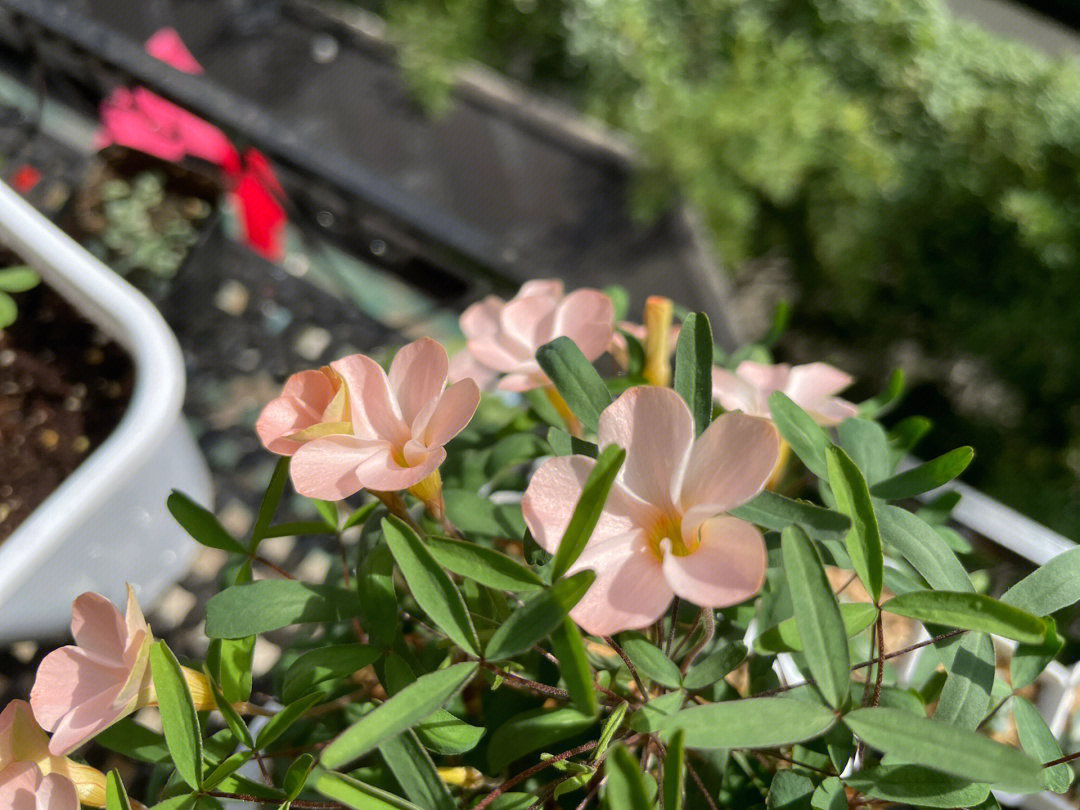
{"points": [[541, 613], [532, 731], [430, 585], [569, 648], [752, 723], [323, 664], [1038, 740], [378, 595], [575, 379], [648, 718], [956, 751], [971, 611], [965, 698], [675, 772], [356, 794], [807, 439], [927, 476], [1029, 660], [829, 795], [179, 721], [134, 741], [482, 564], [415, 772], [853, 499], [116, 797], [625, 789], [18, 278], [914, 784], [649, 660], [865, 441], [226, 768], [790, 790], [883, 403], [817, 617], [271, 498], [772, 511], [441, 732], [201, 524], [785, 637], [906, 435], [693, 368], [563, 444], [297, 774], [235, 723], [270, 604], [715, 666], [589, 507], [402, 711], [924, 548], [1050, 587], [281, 721]]}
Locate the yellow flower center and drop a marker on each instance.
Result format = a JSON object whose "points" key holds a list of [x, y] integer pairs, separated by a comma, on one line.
{"points": [[667, 536]]}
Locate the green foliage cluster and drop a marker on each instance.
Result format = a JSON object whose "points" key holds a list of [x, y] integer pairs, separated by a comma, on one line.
{"points": [[437, 668], [920, 175]]}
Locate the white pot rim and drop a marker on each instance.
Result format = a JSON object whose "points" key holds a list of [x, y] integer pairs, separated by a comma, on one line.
{"points": [[123, 313]]}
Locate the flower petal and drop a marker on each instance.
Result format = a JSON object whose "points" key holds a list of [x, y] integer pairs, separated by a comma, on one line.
{"points": [[19, 782], [99, 628], [736, 394], [327, 468], [656, 428], [374, 412], [766, 378], [464, 366], [587, 317], [417, 376], [813, 382], [528, 322], [728, 566], [553, 493], [86, 721], [630, 591], [67, 678], [455, 408], [551, 287], [301, 405], [482, 318], [529, 377], [730, 463], [495, 353], [832, 411], [381, 471], [57, 792]]}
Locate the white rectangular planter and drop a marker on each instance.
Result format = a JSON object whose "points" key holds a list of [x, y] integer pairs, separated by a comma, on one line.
{"points": [[107, 523]]}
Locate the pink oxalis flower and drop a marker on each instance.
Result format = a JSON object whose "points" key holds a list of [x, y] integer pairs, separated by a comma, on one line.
{"points": [[502, 336], [663, 531], [82, 689], [813, 387], [24, 787], [24, 743], [398, 425]]}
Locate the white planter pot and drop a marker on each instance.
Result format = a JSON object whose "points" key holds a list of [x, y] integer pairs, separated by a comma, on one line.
{"points": [[107, 523]]}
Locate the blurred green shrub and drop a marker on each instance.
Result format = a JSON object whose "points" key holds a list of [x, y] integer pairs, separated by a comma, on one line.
{"points": [[920, 175]]}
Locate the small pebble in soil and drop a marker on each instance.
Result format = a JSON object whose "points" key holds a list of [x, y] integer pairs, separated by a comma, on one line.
{"points": [[232, 298], [312, 342]]}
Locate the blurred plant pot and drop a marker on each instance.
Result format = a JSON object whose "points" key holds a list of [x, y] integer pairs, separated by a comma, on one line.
{"points": [[142, 215], [106, 524]]}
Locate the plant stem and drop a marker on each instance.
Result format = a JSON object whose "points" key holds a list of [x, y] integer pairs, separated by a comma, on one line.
{"points": [[674, 623], [272, 566], [870, 662], [626, 660], [526, 683]]}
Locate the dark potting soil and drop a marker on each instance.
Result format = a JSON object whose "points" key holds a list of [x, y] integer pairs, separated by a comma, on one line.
{"points": [[63, 387]]}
